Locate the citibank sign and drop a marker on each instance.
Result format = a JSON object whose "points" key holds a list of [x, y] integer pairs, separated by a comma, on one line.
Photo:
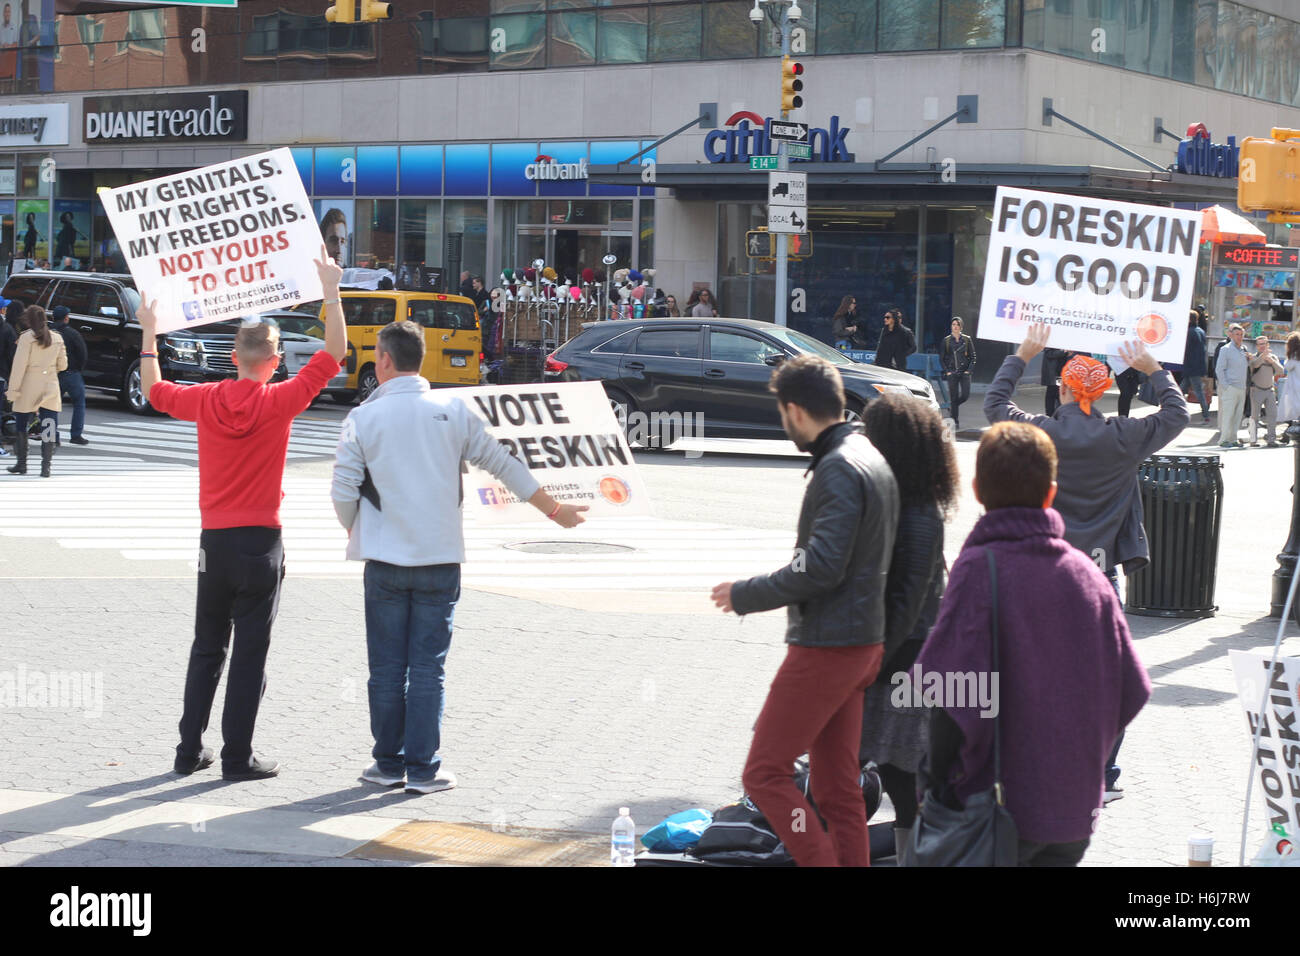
{"points": [[546, 168], [751, 135]]}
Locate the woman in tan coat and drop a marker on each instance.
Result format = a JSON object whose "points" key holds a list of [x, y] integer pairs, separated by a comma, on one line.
{"points": [[34, 386]]}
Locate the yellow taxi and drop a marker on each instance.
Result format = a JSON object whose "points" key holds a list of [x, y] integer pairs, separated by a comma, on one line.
{"points": [[453, 343]]}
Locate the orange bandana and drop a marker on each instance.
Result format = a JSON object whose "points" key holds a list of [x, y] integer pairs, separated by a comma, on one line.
{"points": [[1087, 378]]}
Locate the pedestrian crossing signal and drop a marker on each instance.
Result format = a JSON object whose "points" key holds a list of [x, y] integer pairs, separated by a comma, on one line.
{"points": [[761, 244], [1268, 177], [800, 246]]}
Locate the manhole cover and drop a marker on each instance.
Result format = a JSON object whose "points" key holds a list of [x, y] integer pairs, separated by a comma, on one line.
{"points": [[570, 547]]}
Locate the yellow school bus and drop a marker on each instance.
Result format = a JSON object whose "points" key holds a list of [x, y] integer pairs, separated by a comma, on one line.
{"points": [[453, 344]]}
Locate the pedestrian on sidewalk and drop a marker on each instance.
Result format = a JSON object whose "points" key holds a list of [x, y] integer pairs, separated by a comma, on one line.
{"points": [[1289, 401], [1193, 383], [1264, 372], [844, 324], [396, 490], [1068, 678], [1098, 499], [834, 590], [911, 437], [896, 342], [1049, 376], [957, 356], [34, 387], [243, 430], [8, 347], [70, 380], [1232, 368]]}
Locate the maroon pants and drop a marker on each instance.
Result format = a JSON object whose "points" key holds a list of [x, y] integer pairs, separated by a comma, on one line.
{"points": [[815, 707]]}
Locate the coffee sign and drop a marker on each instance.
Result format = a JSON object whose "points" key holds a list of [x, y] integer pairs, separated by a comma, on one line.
{"points": [[179, 118]]}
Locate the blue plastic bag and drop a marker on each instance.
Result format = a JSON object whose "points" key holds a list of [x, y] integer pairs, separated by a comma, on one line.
{"points": [[681, 831]]}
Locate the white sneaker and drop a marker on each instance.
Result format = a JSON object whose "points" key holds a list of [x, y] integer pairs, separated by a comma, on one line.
{"points": [[1112, 794], [445, 780], [372, 775]]}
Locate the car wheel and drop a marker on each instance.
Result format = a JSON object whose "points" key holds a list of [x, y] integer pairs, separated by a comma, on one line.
{"points": [[853, 411], [132, 392], [623, 408], [367, 382], [344, 398]]}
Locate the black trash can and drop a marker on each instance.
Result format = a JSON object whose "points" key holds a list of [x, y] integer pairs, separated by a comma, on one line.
{"points": [[1182, 502]]}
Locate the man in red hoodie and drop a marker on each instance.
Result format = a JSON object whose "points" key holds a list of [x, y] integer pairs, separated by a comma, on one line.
{"points": [[243, 426]]}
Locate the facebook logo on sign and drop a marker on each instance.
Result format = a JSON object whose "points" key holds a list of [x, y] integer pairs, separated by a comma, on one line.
{"points": [[191, 311], [1006, 309], [487, 495]]}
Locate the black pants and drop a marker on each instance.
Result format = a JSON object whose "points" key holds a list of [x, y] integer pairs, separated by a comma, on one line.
{"points": [[958, 390], [901, 787], [1129, 381], [1052, 854], [240, 570]]}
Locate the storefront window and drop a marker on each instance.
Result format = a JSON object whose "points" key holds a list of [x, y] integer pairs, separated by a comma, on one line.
{"points": [[973, 23], [728, 31], [909, 24], [956, 246], [376, 234], [517, 42], [464, 238], [30, 180], [675, 33], [573, 39], [622, 36], [420, 231], [456, 45], [846, 26], [769, 37]]}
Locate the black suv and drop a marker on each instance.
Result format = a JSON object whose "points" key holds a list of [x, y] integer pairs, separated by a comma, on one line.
{"points": [[102, 308]]}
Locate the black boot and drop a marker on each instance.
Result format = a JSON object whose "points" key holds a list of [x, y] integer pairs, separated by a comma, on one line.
{"points": [[20, 450], [47, 455]]}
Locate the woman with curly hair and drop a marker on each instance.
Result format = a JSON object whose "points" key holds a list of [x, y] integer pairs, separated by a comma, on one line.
{"points": [[913, 440]]}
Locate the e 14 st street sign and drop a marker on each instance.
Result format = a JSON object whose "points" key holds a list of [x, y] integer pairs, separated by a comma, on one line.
{"points": [[762, 162]]}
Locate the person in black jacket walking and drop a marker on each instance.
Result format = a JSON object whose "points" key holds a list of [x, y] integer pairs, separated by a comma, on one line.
{"points": [[957, 356], [910, 435], [896, 342], [834, 590], [71, 380]]}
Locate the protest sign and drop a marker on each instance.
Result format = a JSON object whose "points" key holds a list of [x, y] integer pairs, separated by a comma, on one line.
{"points": [[221, 242], [567, 436], [1098, 272], [1277, 759]]}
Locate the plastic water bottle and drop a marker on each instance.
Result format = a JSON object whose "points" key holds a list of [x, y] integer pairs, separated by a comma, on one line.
{"points": [[622, 842]]}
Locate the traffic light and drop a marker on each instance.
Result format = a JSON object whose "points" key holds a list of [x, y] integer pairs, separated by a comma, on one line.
{"points": [[371, 10], [791, 84], [343, 11], [1268, 174], [758, 244], [800, 246]]}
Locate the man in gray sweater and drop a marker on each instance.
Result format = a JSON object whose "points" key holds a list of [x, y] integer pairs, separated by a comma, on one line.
{"points": [[1232, 368], [1098, 457]]}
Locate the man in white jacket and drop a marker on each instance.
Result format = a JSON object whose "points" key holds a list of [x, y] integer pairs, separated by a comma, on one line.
{"points": [[397, 489]]}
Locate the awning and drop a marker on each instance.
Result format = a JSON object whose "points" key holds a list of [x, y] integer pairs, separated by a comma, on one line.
{"points": [[1224, 225], [925, 182]]}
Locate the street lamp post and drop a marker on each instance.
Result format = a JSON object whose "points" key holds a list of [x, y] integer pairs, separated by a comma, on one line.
{"points": [[792, 15]]}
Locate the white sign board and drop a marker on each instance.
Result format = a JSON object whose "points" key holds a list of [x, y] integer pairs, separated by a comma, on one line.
{"points": [[787, 219], [787, 189], [567, 436], [1098, 272], [792, 132], [1277, 760], [34, 124], [221, 242]]}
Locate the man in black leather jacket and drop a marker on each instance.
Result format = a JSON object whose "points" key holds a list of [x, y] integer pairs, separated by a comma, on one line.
{"points": [[834, 592]]}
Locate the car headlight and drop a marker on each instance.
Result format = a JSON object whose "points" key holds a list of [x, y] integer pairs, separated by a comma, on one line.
{"points": [[189, 351], [882, 388]]}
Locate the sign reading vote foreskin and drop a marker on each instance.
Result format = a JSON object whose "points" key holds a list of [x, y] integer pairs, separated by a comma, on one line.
{"points": [[1098, 272], [567, 436], [214, 244]]}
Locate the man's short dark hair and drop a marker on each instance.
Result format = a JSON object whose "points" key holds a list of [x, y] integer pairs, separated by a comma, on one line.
{"points": [[404, 342], [1014, 466], [812, 383]]}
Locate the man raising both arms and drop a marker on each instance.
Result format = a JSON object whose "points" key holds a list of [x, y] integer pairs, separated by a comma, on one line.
{"points": [[243, 427]]}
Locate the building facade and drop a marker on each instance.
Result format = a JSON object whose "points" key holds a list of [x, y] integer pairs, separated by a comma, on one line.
{"points": [[479, 135]]}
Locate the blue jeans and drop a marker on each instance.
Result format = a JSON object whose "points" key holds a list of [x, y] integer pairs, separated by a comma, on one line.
{"points": [[75, 386], [408, 631]]}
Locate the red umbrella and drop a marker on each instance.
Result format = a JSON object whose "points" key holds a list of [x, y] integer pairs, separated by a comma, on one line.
{"points": [[1223, 225]]}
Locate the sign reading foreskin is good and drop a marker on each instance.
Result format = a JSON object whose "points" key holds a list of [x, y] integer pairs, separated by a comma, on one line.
{"points": [[213, 244], [567, 436], [1276, 761], [1098, 272]]}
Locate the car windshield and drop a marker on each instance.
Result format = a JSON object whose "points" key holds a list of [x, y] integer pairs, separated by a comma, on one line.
{"points": [[806, 343]]}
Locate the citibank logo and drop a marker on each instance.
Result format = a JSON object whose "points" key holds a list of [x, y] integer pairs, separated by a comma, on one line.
{"points": [[749, 134], [545, 167]]}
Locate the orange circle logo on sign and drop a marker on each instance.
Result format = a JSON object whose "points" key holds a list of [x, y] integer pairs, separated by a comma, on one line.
{"points": [[615, 490], [1152, 328]]}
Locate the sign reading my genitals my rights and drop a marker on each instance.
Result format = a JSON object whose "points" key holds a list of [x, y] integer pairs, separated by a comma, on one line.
{"points": [[227, 240], [1098, 272]]}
